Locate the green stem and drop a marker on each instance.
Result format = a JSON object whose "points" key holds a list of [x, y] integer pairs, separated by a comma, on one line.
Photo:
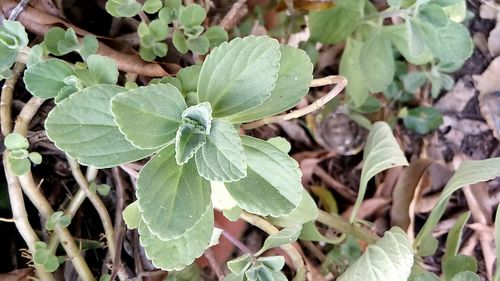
{"points": [[294, 255], [337, 222]]}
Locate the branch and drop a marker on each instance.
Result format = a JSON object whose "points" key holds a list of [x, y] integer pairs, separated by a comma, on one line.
{"points": [[338, 223], [341, 84]]}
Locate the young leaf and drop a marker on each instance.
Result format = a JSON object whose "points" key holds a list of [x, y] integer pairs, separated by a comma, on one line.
{"points": [[132, 215], [389, 259], [263, 191], [18, 167], [382, 152], [305, 212], [15, 141], [340, 21], [172, 198], [176, 253], [409, 43], [46, 78], [456, 264], [377, 62], [180, 42], [152, 6], [13, 35], [83, 126], [149, 116], [192, 15], [35, 157], [414, 80], [123, 8], [221, 158], [470, 172], [310, 233], [350, 68], [422, 120], [275, 263], [216, 35], [239, 75], [89, 46], [188, 77], [294, 77], [285, 236], [199, 44], [465, 276], [103, 70], [239, 265], [192, 134]]}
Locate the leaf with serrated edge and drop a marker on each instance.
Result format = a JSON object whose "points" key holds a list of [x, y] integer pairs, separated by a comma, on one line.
{"points": [[83, 127], [172, 198], [265, 191], [176, 253], [187, 142], [294, 77], [389, 259], [376, 60], [221, 158], [285, 236], [149, 116], [470, 172], [46, 78], [306, 211], [382, 152], [239, 75]]}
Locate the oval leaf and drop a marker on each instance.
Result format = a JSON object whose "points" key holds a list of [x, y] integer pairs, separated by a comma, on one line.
{"points": [[382, 152], [149, 116], [172, 198], [239, 75], [221, 158], [265, 191], [285, 236], [83, 126], [176, 253], [46, 78], [294, 77], [389, 259]]}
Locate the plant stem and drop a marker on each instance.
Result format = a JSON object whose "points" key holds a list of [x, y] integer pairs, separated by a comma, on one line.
{"points": [[6, 99], [341, 84], [337, 222], [40, 202], [98, 205], [294, 255]]}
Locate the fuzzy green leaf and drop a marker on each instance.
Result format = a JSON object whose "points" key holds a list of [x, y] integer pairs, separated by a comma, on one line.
{"points": [[377, 62], [199, 45], [305, 212], [239, 265], [83, 126], [15, 141], [382, 152], [176, 253], [221, 158], [132, 215], [46, 78], [192, 15], [285, 236], [216, 35], [294, 77], [172, 198], [389, 259], [239, 75], [465, 276], [264, 191], [123, 8], [409, 43], [149, 116], [350, 68]]}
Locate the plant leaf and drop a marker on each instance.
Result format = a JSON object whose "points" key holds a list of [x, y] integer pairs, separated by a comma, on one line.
{"points": [[382, 152], [83, 126], [310, 233], [132, 215], [340, 21], [465, 276], [149, 116], [306, 211], [470, 172], [15, 141], [409, 43], [263, 191], [192, 134], [389, 259], [285, 236], [239, 75], [46, 78], [175, 254], [294, 77], [456, 264], [172, 198], [350, 68], [377, 62], [103, 70], [221, 158], [192, 15], [239, 265]]}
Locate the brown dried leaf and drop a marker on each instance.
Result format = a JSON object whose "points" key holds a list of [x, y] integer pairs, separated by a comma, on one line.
{"points": [[24, 274], [488, 81], [489, 105]]}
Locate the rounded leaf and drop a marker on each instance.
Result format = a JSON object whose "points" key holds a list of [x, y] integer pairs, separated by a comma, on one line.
{"points": [[46, 78]]}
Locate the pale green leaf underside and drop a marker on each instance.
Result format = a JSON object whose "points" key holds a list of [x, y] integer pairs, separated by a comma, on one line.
{"points": [[187, 142], [389, 259], [46, 78], [272, 186], [349, 67], [172, 198], [294, 77], [149, 116], [83, 127], [221, 158], [305, 212], [175, 254], [470, 172], [285, 236], [398, 34], [132, 215], [382, 152], [239, 75]]}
